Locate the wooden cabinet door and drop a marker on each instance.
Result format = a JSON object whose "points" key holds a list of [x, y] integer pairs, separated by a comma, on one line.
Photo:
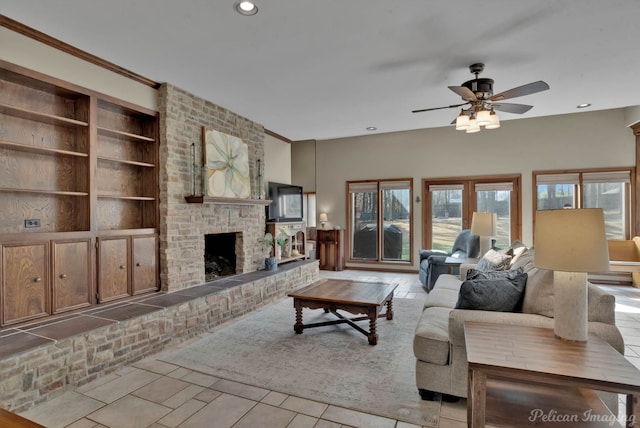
{"points": [[26, 292], [71, 275], [145, 264], [113, 269]]}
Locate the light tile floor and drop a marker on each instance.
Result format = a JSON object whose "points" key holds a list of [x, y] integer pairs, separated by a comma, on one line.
{"points": [[156, 394]]}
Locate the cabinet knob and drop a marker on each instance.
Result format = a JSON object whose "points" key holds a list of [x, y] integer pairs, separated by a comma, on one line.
{"points": [[121, 266], [63, 276], [138, 264], [38, 279]]}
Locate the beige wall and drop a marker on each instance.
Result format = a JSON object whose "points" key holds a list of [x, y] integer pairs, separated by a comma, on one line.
{"points": [[303, 164], [26, 52], [581, 140], [277, 160]]}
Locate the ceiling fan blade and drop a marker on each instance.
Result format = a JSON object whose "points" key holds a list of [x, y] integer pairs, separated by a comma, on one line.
{"points": [[511, 108], [464, 92], [438, 108], [527, 89]]}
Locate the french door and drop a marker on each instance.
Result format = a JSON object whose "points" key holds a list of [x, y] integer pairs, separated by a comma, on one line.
{"points": [[449, 205]]}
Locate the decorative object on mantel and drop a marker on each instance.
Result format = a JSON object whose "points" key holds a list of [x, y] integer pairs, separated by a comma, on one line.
{"points": [[226, 163], [259, 184], [571, 243]]}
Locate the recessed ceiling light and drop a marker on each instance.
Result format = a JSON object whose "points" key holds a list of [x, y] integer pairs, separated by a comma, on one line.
{"points": [[583, 105], [371, 128], [246, 8]]}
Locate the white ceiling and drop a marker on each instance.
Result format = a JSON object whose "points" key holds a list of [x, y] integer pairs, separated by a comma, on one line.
{"points": [[319, 69]]}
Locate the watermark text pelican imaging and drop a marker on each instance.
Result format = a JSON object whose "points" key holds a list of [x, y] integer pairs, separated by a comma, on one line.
{"points": [[554, 416]]}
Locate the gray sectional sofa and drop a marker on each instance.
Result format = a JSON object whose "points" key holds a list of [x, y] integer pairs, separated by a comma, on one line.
{"points": [[439, 345]]}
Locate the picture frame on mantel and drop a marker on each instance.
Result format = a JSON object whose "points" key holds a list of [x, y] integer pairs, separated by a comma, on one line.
{"points": [[225, 165]]}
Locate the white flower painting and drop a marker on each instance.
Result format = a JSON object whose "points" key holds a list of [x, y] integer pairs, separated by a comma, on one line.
{"points": [[227, 163]]}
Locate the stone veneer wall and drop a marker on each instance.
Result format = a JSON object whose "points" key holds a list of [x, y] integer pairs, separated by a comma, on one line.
{"points": [[44, 372], [183, 225]]}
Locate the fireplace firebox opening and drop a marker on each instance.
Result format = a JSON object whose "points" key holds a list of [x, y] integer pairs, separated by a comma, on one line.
{"points": [[219, 255]]}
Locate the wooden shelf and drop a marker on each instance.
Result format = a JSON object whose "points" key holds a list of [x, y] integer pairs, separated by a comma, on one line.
{"points": [[192, 199], [44, 192], [44, 150], [129, 198], [127, 162], [41, 117], [116, 133]]}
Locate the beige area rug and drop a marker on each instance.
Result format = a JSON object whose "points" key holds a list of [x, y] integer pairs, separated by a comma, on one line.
{"points": [[331, 364]]}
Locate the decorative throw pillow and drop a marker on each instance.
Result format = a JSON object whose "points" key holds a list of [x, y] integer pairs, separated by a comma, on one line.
{"points": [[501, 295], [494, 274], [494, 260]]}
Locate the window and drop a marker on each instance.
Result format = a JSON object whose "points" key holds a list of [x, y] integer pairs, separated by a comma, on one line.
{"points": [[376, 206], [609, 190], [450, 203]]}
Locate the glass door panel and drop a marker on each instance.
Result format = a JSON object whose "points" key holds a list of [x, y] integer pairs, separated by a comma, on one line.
{"points": [[364, 217], [446, 216], [499, 202]]}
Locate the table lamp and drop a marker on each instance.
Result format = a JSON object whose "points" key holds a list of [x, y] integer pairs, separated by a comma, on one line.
{"points": [[571, 243], [484, 225], [323, 219]]}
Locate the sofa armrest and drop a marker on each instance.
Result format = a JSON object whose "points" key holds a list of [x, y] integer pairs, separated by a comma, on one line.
{"points": [[464, 267], [457, 318], [601, 305], [425, 254]]}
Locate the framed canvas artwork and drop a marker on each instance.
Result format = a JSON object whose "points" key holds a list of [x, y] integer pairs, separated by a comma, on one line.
{"points": [[226, 165]]}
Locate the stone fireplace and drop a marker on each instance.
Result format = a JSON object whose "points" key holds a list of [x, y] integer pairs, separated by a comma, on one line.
{"points": [[182, 224], [220, 254]]}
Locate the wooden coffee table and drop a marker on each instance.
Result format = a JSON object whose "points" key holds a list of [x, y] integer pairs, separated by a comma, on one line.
{"points": [[355, 297], [537, 365]]}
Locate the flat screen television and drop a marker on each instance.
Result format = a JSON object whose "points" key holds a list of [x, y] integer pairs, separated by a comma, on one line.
{"points": [[286, 202]]}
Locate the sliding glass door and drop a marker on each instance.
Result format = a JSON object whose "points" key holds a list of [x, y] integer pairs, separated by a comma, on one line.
{"points": [[450, 203]]}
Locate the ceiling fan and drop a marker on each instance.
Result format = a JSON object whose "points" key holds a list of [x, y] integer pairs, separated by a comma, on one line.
{"points": [[478, 96]]}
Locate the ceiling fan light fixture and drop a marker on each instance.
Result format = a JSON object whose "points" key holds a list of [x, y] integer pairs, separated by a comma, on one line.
{"points": [[473, 126], [462, 122], [495, 121], [483, 118]]}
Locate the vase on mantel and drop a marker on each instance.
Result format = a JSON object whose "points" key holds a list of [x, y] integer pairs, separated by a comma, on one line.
{"points": [[271, 263]]}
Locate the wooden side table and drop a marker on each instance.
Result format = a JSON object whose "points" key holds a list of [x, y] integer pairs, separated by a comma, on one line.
{"points": [[331, 249], [532, 356]]}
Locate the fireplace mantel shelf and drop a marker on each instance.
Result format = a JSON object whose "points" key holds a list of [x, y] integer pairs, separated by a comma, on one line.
{"points": [[192, 199]]}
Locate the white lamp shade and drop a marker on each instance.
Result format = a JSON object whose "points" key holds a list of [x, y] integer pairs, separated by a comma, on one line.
{"points": [[495, 121], [484, 224], [462, 122], [323, 217], [473, 126], [483, 118], [571, 240]]}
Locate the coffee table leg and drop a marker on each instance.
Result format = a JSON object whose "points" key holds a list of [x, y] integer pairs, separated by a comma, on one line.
{"points": [[390, 309], [372, 336]]}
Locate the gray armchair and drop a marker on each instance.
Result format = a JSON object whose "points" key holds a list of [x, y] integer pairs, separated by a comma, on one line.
{"points": [[432, 264]]}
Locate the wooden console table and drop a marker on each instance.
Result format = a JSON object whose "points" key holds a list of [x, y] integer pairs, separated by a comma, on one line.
{"points": [[530, 358]]}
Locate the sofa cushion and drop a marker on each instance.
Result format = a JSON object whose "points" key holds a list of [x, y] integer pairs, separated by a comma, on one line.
{"points": [[494, 260], [444, 293], [431, 338], [502, 294], [538, 295]]}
